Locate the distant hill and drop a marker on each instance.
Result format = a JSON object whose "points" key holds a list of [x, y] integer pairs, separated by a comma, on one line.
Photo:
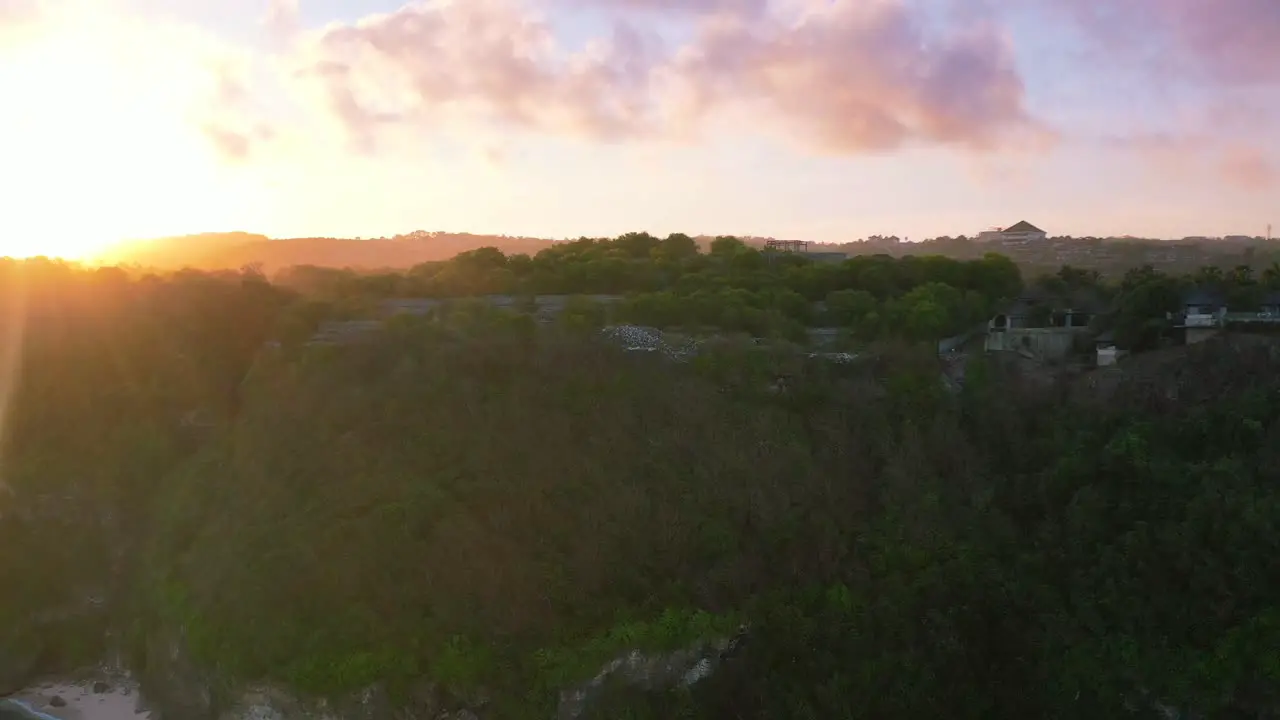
{"points": [[215, 251], [177, 252], [234, 250]]}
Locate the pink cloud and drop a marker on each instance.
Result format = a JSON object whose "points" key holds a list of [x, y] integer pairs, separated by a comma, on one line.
{"points": [[486, 59], [689, 7], [1236, 40], [846, 77], [230, 121], [18, 11], [860, 77], [17, 17], [1166, 155], [1249, 168], [1227, 41], [1197, 155], [1220, 59], [282, 21]]}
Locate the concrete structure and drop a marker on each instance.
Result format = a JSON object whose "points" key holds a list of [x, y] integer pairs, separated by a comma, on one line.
{"points": [[1042, 327], [1044, 343], [792, 246], [1203, 315], [345, 332], [1267, 315], [1105, 346], [801, 247], [1030, 311], [1200, 334], [1108, 356], [545, 307], [1271, 305], [1018, 234], [1203, 308]]}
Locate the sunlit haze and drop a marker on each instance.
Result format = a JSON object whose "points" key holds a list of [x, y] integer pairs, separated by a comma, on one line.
{"points": [[824, 121], [100, 143]]}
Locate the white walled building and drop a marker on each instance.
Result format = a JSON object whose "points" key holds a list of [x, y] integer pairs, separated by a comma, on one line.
{"points": [[1020, 233]]}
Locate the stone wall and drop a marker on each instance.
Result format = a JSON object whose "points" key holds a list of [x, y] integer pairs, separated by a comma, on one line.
{"points": [[1042, 343]]}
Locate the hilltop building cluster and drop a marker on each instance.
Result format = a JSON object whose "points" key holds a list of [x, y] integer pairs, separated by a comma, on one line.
{"points": [[1048, 327]]}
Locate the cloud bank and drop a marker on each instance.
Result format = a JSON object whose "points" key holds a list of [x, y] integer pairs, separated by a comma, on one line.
{"points": [[834, 77], [1231, 42], [843, 77]]}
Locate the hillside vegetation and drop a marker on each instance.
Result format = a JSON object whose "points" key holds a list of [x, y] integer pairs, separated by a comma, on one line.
{"points": [[670, 283], [1110, 257], [498, 508]]}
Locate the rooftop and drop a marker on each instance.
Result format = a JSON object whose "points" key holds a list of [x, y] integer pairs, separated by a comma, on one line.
{"points": [[1022, 226], [1084, 300], [1202, 296]]}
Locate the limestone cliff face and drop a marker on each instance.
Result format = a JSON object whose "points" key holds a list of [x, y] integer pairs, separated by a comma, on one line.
{"points": [[37, 647], [177, 688], [650, 672], [172, 682]]}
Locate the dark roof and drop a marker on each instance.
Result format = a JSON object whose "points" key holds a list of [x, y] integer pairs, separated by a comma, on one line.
{"points": [[1271, 298], [1203, 296], [1022, 226], [1021, 306], [1037, 294], [1087, 300]]}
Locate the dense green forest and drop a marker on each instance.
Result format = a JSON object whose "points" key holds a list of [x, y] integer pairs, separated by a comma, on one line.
{"points": [[669, 283], [500, 507]]}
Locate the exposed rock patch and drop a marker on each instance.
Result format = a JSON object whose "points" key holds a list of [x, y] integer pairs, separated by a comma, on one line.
{"points": [[651, 672]]}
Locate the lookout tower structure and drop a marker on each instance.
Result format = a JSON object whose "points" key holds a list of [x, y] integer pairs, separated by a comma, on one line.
{"points": [[789, 246]]}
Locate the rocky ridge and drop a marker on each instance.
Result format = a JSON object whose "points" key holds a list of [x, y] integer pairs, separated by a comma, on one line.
{"points": [[176, 687]]}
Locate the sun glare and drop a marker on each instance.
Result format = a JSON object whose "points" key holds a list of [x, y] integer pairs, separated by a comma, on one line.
{"points": [[97, 147], [68, 249]]}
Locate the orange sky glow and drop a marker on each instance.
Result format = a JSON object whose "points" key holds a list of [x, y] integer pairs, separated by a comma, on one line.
{"points": [[102, 147], [825, 120]]}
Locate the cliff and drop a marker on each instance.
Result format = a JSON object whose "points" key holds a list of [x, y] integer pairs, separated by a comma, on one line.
{"points": [[483, 520]]}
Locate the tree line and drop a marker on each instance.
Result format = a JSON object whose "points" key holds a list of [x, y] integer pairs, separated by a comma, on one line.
{"points": [[669, 283]]}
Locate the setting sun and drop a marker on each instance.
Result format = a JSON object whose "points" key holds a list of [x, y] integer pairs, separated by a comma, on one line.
{"points": [[66, 248], [98, 146]]}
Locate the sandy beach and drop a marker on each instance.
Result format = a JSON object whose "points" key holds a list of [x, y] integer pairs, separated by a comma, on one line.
{"points": [[103, 699]]}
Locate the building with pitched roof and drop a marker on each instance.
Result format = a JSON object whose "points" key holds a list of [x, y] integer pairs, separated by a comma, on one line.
{"points": [[1017, 234]]}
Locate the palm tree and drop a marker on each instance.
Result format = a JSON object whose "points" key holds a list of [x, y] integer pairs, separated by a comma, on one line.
{"points": [[1271, 275], [1210, 275]]}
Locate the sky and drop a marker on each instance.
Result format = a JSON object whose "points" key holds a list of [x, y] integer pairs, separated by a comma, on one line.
{"points": [[825, 120]]}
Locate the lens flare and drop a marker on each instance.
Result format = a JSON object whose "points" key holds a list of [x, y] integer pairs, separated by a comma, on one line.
{"points": [[13, 320]]}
